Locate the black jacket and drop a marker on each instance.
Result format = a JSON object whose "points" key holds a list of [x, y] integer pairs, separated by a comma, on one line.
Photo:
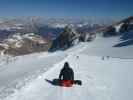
{"points": [[66, 74]]}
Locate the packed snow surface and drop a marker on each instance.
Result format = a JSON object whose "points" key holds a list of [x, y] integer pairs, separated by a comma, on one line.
{"points": [[104, 70]]}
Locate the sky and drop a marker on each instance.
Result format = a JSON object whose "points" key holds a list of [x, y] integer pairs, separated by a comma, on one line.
{"points": [[67, 8]]}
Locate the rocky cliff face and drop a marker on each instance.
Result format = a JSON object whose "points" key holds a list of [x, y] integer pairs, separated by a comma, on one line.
{"points": [[70, 37], [65, 39]]}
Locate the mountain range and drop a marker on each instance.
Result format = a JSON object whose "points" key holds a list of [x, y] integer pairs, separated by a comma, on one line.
{"points": [[19, 36]]}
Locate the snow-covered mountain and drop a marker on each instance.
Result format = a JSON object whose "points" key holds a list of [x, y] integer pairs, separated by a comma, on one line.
{"points": [[104, 65], [12, 40], [53, 30], [20, 44], [119, 28], [71, 36], [46, 27], [104, 70]]}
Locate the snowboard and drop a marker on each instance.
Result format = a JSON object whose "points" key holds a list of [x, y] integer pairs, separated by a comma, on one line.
{"points": [[64, 83]]}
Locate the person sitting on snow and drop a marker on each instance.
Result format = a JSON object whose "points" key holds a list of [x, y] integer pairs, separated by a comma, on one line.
{"points": [[66, 75], [66, 72]]}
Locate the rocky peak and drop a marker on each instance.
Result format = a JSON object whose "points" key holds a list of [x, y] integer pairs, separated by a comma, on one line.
{"points": [[65, 39]]}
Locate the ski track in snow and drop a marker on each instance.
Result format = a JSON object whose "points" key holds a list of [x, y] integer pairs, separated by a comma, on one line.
{"points": [[103, 79]]}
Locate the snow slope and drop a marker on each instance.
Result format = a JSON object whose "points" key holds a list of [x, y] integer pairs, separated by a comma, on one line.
{"points": [[103, 79], [19, 70], [105, 47]]}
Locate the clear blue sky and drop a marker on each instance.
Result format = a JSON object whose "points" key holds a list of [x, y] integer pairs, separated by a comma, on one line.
{"points": [[66, 8]]}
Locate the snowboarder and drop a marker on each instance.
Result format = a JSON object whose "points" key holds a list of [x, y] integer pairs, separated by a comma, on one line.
{"points": [[66, 75], [66, 72]]}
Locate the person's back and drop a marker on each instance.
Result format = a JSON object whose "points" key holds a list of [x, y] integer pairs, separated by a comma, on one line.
{"points": [[66, 73]]}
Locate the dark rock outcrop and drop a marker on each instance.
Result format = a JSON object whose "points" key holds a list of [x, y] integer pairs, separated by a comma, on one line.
{"points": [[64, 40], [119, 28]]}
